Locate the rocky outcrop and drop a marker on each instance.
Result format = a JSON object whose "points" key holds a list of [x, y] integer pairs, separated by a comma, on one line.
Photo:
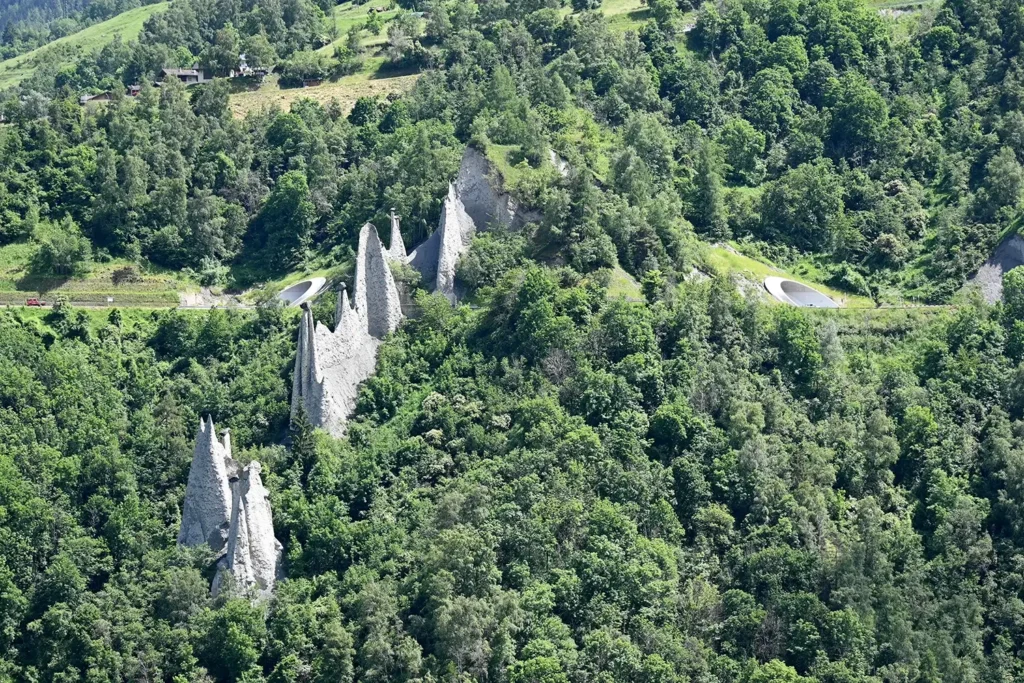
{"points": [[560, 164], [1007, 256], [230, 512], [456, 232], [330, 365], [253, 557], [206, 512], [478, 187], [396, 248]]}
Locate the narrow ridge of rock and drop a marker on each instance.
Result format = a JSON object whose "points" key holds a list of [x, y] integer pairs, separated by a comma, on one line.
{"points": [[457, 230]]}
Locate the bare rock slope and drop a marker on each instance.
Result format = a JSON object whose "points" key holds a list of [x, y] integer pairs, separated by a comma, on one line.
{"points": [[1007, 256], [330, 365]]}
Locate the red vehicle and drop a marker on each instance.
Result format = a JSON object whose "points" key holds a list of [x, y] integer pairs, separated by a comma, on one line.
{"points": [[35, 302]]}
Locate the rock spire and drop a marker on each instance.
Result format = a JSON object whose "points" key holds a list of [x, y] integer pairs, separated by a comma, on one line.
{"points": [[229, 511], [436, 258], [206, 512], [456, 232], [396, 250], [329, 366], [253, 556]]}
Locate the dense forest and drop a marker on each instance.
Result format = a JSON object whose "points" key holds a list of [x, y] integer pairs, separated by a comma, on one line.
{"points": [[811, 131], [28, 24], [546, 483]]}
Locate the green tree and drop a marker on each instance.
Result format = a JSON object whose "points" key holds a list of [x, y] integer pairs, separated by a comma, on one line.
{"points": [[771, 101], [221, 57], [232, 638], [708, 211], [63, 249], [1004, 178], [1013, 294], [804, 207], [743, 146], [284, 226], [859, 118], [259, 53]]}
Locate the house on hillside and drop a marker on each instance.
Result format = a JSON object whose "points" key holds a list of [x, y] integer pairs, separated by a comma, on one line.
{"points": [[89, 100], [193, 76]]}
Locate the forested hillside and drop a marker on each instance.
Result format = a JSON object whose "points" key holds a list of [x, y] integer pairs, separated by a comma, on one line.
{"points": [[882, 155], [548, 482], [28, 24], [553, 488]]}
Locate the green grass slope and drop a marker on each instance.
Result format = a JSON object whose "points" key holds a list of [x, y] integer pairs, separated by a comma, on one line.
{"points": [[66, 50], [730, 261], [348, 14], [18, 283]]}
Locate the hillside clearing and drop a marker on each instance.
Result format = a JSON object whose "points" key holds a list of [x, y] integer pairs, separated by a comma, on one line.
{"points": [[68, 49], [345, 90], [347, 15], [17, 283]]}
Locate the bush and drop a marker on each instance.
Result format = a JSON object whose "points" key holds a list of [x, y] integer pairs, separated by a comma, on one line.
{"points": [[491, 255], [63, 250], [126, 275], [846, 277], [305, 65]]}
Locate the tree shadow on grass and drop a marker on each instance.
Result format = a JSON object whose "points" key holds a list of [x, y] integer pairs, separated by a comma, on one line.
{"points": [[388, 70], [41, 282]]}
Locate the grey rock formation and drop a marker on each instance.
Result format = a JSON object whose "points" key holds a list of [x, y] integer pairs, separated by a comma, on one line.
{"points": [[207, 508], [396, 248], [456, 232], [231, 513], [424, 257], [478, 186], [560, 164], [437, 257], [330, 366], [1007, 256], [253, 555]]}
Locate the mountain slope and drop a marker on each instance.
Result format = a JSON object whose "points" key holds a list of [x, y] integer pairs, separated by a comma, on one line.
{"points": [[127, 25]]}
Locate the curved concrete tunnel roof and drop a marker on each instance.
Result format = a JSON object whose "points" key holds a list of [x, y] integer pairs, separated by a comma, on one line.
{"points": [[302, 291], [797, 293]]}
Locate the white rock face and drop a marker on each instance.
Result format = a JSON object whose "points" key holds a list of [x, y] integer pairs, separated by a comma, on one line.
{"points": [[396, 250], [560, 164], [230, 512], [487, 206], [1007, 256], [253, 555], [456, 232], [207, 508], [330, 366]]}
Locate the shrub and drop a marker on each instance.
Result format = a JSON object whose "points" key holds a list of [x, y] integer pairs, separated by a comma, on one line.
{"points": [[125, 275]]}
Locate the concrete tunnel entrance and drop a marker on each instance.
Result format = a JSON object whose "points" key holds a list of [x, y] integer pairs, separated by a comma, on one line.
{"points": [[797, 293]]}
